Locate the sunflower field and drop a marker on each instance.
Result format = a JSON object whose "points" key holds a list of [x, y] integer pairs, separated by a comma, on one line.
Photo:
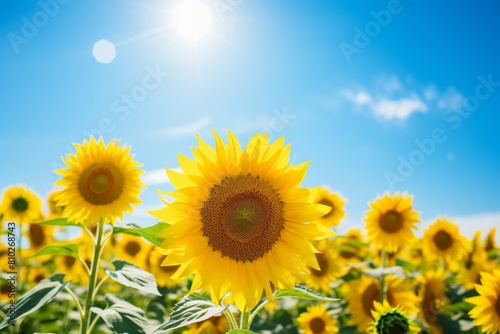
{"points": [[239, 247]]}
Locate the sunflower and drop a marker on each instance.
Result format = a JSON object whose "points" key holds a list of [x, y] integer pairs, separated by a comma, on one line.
{"points": [[486, 312], [333, 200], [241, 213], [490, 243], [132, 249], [55, 210], [317, 321], [362, 293], [21, 205], [351, 250], [432, 296], [389, 319], [390, 221], [100, 182], [442, 240], [163, 274], [329, 271], [39, 235]]}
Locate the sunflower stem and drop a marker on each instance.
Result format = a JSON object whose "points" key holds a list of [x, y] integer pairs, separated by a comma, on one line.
{"points": [[257, 310], [77, 303], [230, 318], [244, 323], [93, 278], [382, 276]]}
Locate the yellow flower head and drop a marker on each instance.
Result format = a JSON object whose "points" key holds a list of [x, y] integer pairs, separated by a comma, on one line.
{"points": [[132, 249], [442, 240], [330, 269], [163, 274], [239, 220], [39, 235], [350, 249], [317, 321], [390, 319], [490, 243], [333, 200], [21, 205], [432, 296], [100, 182], [55, 210], [390, 221], [486, 312]]}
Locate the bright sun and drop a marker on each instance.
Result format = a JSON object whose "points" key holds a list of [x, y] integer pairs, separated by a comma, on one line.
{"points": [[193, 19]]}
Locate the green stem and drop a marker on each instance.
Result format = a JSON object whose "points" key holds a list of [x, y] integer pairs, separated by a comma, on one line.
{"points": [[382, 276], [257, 310], [244, 323], [93, 278], [230, 318], [78, 306]]}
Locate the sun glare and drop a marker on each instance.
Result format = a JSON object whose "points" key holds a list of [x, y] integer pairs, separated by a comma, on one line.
{"points": [[193, 19]]}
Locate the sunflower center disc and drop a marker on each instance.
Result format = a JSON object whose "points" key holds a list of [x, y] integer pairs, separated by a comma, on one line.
{"points": [[497, 305], [37, 235], [327, 202], [132, 248], [443, 240], [20, 204], [242, 217], [69, 261], [317, 325], [391, 221], [101, 184], [371, 293], [323, 265]]}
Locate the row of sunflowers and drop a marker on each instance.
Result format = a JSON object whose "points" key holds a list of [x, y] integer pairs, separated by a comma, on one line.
{"points": [[240, 247]]}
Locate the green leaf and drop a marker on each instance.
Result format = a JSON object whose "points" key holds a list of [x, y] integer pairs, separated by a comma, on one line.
{"points": [[134, 277], [240, 331], [406, 265], [302, 292], [69, 250], [59, 222], [190, 309], [150, 233], [128, 229], [123, 317], [36, 298]]}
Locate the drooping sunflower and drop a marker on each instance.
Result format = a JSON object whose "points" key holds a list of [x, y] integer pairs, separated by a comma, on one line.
{"points": [[361, 293], [388, 319], [486, 312], [442, 240], [333, 200], [330, 269], [100, 182], [239, 220], [55, 210], [21, 205], [317, 321], [390, 221], [432, 297]]}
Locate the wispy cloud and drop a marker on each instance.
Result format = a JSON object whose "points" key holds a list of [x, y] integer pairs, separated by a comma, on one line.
{"points": [[390, 98], [187, 129], [157, 176]]}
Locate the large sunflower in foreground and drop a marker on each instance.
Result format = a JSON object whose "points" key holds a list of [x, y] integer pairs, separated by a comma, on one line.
{"points": [[21, 205], [100, 182], [390, 221], [333, 200], [486, 313], [442, 240], [317, 321], [240, 222]]}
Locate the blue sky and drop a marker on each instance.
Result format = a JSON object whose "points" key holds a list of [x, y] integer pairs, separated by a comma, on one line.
{"points": [[380, 95]]}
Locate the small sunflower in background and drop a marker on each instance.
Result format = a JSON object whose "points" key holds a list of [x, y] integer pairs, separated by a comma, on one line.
{"points": [[132, 249], [21, 205], [317, 321], [100, 182], [486, 312], [55, 209], [351, 246], [390, 221], [241, 212], [442, 240], [39, 236], [330, 268], [432, 295], [335, 201], [361, 293], [490, 242], [388, 319]]}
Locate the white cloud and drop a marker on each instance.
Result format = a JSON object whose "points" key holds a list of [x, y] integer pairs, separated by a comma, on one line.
{"points": [[400, 109], [451, 99], [187, 129], [157, 176], [389, 84], [469, 224], [359, 98]]}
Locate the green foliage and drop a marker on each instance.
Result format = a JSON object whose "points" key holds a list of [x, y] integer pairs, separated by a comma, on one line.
{"points": [[134, 277], [69, 250], [59, 222], [303, 292], [150, 233]]}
